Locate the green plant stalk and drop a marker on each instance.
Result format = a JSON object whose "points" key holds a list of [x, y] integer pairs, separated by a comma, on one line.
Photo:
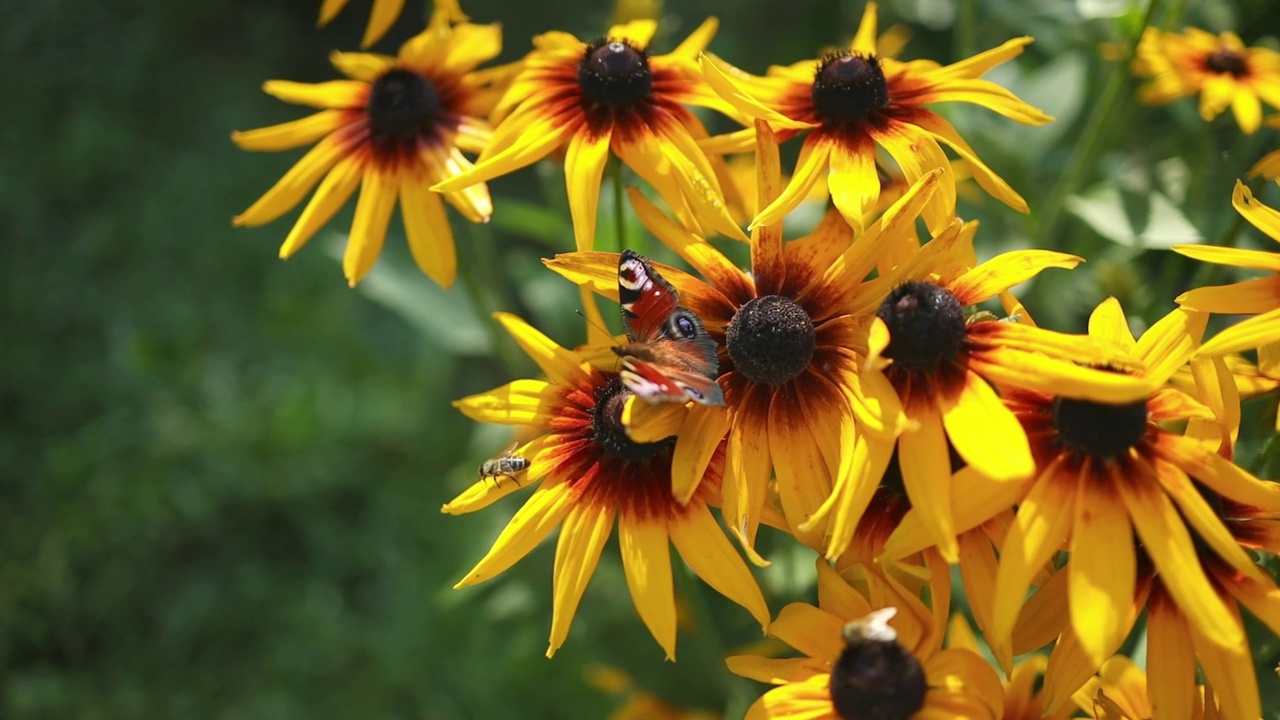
{"points": [[619, 204], [1091, 144], [967, 29]]}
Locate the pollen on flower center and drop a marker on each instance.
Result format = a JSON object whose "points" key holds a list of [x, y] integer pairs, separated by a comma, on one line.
{"points": [[926, 325], [1226, 62], [849, 88], [614, 74], [876, 678], [770, 339], [403, 106], [1097, 429], [608, 432]]}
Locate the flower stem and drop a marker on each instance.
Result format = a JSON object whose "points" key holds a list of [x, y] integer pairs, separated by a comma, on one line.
{"points": [[619, 205], [966, 29], [1091, 144]]}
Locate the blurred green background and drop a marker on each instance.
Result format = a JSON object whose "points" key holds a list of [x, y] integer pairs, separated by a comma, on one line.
{"points": [[223, 473]]}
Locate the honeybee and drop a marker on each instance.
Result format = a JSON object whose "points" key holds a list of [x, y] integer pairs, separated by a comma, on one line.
{"points": [[505, 465]]}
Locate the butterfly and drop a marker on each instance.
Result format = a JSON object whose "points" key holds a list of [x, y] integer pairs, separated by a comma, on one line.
{"points": [[670, 356]]}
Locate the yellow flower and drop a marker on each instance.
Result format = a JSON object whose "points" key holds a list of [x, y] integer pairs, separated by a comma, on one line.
{"points": [[789, 369], [1112, 473], [384, 15], [1023, 699], [853, 100], [1269, 165], [1219, 68], [606, 96], [1259, 297], [591, 474], [942, 361], [865, 658], [395, 127]]}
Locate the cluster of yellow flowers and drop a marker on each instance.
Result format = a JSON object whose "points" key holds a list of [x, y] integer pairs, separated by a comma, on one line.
{"points": [[857, 398]]}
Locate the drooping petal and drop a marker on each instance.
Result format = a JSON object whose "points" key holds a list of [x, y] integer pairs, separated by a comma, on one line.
{"points": [[918, 153], [748, 468], [1006, 270], [1245, 335], [814, 632], [294, 184], [1266, 219], [584, 167], [562, 366], [540, 514], [926, 474], [1228, 668], [1102, 572], [429, 233], [586, 530], [330, 94], [520, 402], [813, 160], [1171, 662], [646, 560], [292, 134], [333, 192], [698, 539], [1108, 321], [853, 180], [699, 438], [985, 432]]}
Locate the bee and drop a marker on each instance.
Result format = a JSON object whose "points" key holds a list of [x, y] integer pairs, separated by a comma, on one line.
{"points": [[505, 465]]}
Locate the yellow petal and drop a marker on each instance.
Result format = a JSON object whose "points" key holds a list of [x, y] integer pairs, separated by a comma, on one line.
{"points": [[430, 236], [1248, 297], [917, 153], [1108, 321], [381, 19], [365, 67], [721, 79], [1006, 270], [1039, 529], [774, 670], [646, 560], [295, 184], [710, 263], [1235, 257], [813, 160], [536, 141], [329, 9], [292, 134], [1229, 669], [814, 632], [1167, 345], [926, 475], [709, 553], [519, 402], [853, 180], [864, 41], [1260, 216], [648, 422], [377, 202], [1057, 377], [584, 166], [540, 514], [1102, 572], [639, 32], [1208, 525], [698, 40], [985, 432], [582, 538], [986, 178], [333, 192], [746, 483], [1170, 547], [699, 437], [331, 94], [1248, 111], [562, 366], [1255, 332], [1171, 662]]}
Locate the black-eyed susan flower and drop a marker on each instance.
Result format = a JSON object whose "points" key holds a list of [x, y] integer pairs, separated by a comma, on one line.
{"points": [[789, 369], [590, 474], [1218, 68], [611, 97], [1259, 297], [942, 359], [396, 126], [854, 100], [1137, 506], [867, 658], [1023, 699]]}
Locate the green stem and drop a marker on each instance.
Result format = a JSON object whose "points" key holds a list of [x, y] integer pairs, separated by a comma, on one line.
{"points": [[709, 647], [1091, 143], [967, 29], [1174, 16], [619, 205]]}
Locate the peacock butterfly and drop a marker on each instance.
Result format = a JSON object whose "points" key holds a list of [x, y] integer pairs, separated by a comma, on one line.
{"points": [[670, 356]]}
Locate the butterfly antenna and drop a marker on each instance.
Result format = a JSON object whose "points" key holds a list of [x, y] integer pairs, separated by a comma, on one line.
{"points": [[593, 323]]}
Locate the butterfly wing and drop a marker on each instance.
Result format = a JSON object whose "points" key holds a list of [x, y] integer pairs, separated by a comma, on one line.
{"points": [[670, 358]]}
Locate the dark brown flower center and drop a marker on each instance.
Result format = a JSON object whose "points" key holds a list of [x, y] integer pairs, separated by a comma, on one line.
{"points": [[403, 107], [770, 339], [876, 678], [1226, 62], [848, 88], [610, 434], [614, 74], [926, 325], [1097, 429]]}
